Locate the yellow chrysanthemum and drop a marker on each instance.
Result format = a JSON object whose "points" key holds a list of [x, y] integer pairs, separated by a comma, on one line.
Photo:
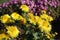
{"points": [[30, 15], [36, 18], [12, 31], [44, 16], [48, 35], [43, 11], [2, 36], [50, 18], [46, 29], [40, 21], [31, 18], [32, 21], [24, 8], [23, 21], [45, 26], [5, 18], [15, 16], [46, 23]]}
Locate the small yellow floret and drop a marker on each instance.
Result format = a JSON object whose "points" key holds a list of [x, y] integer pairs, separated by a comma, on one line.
{"points": [[24, 8]]}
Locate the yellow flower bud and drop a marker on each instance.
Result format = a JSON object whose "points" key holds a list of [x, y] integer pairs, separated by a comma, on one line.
{"points": [[24, 8], [43, 11]]}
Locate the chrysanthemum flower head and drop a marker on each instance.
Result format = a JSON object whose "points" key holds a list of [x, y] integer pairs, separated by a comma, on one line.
{"points": [[40, 21], [2, 36], [45, 27], [24, 8], [31, 18], [12, 31], [15, 16], [46, 17], [5, 18]]}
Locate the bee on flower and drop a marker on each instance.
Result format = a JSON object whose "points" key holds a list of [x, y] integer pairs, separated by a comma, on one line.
{"points": [[12, 31], [24, 8]]}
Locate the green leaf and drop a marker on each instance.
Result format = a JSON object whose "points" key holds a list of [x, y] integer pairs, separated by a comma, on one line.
{"points": [[12, 39], [36, 36], [4, 39], [2, 1]]}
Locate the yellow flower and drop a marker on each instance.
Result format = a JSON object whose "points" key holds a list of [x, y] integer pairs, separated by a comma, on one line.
{"points": [[46, 23], [12, 31], [45, 27], [44, 16], [30, 15], [43, 11], [3, 36], [31, 18], [36, 18], [48, 35], [24, 8], [50, 18], [32, 21], [15, 16], [5, 18], [40, 21], [23, 21]]}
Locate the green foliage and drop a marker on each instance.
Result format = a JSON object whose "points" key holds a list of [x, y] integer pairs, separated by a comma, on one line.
{"points": [[2, 1]]}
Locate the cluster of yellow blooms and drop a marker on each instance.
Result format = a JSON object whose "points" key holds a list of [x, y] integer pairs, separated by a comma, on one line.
{"points": [[42, 21], [12, 32], [14, 16]]}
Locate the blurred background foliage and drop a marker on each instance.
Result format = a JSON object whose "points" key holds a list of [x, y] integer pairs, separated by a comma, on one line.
{"points": [[2, 1]]}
